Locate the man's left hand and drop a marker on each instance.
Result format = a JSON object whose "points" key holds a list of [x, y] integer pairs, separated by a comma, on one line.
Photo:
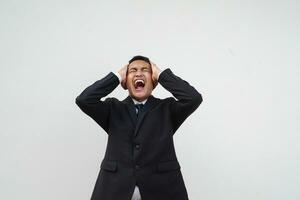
{"points": [[155, 72]]}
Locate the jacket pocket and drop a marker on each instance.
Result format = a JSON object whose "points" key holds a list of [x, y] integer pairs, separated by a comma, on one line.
{"points": [[168, 166], [109, 165]]}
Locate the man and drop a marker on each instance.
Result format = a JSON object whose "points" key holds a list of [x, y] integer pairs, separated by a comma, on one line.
{"points": [[140, 160]]}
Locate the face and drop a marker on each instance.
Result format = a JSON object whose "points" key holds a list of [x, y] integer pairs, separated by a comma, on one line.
{"points": [[139, 80]]}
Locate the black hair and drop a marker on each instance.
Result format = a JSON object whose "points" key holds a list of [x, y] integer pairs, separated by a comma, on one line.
{"points": [[139, 57]]}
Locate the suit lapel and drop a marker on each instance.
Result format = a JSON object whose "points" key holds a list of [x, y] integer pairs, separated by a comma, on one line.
{"points": [[137, 121], [131, 109], [148, 105]]}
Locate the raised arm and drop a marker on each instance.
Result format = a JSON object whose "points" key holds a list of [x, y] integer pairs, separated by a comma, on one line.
{"points": [[188, 98], [89, 101]]}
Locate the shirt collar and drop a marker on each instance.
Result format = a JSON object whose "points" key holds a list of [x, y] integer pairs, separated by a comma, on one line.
{"points": [[138, 102]]}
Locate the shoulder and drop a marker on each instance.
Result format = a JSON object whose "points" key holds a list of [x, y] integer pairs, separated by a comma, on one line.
{"points": [[167, 100]]}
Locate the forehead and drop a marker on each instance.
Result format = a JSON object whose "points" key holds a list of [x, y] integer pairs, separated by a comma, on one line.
{"points": [[139, 64]]}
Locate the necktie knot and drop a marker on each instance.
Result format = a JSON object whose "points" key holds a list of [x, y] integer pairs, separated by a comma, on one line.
{"points": [[139, 107]]}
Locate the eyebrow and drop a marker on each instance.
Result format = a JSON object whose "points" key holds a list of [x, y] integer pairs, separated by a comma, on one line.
{"points": [[139, 67]]}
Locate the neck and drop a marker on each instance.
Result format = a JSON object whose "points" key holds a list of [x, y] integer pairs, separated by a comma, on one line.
{"points": [[139, 101]]}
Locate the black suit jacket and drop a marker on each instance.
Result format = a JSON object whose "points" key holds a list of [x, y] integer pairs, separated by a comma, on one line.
{"points": [[140, 151]]}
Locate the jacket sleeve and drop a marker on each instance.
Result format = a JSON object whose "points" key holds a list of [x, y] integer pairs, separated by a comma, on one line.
{"points": [[89, 101], [188, 98]]}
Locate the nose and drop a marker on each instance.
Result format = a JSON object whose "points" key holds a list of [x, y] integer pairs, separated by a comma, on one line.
{"points": [[138, 73]]}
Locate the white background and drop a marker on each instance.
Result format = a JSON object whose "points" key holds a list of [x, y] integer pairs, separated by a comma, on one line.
{"points": [[242, 56]]}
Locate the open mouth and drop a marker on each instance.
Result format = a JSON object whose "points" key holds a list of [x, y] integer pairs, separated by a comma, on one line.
{"points": [[139, 84]]}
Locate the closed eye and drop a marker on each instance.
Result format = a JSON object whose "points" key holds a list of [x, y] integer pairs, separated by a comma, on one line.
{"points": [[132, 70], [146, 69]]}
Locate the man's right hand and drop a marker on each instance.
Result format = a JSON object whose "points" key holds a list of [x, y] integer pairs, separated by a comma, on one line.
{"points": [[123, 73]]}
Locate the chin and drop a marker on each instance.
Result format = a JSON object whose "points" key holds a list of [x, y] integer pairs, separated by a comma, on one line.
{"points": [[139, 95], [140, 98]]}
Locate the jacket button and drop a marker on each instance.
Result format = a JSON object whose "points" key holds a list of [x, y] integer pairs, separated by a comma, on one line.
{"points": [[137, 146], [137, 167]]}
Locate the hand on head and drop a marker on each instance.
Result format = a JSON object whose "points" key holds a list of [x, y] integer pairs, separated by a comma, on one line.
{"points": [[155, 73], [123, 73], [154, 70]]}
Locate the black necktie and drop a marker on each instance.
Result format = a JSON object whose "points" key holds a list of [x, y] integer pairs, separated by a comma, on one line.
{"points": [[139, 108]]}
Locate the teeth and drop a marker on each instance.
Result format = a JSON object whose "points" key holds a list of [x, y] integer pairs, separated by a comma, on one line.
{"points": [[139, 81]]}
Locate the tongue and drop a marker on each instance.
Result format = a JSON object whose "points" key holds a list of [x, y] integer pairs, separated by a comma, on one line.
{"points": [[139, 85]]}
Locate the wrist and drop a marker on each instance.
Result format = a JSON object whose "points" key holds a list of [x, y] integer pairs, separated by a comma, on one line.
{"points": [[119, 76], [158, 73]]}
